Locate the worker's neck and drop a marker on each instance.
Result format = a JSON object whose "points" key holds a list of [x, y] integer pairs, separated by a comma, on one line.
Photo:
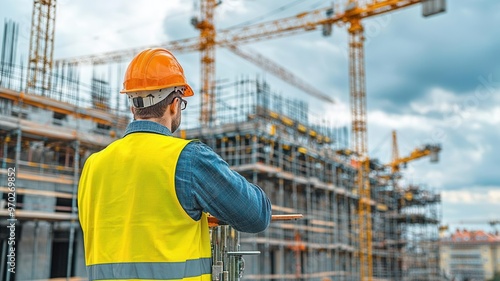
{"points": [[162, 121]]}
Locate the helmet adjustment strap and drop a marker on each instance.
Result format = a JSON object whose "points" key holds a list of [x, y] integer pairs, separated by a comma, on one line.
{"points": [[148, 98]]}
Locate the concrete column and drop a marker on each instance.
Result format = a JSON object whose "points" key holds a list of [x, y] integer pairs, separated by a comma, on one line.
{"points": [[33, 256]]}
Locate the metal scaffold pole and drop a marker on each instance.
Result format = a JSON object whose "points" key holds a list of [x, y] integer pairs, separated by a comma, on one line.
{"points": [[76, 167]]}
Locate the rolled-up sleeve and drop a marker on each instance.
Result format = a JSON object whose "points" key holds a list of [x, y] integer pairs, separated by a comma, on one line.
{"points": [[204, 182]]}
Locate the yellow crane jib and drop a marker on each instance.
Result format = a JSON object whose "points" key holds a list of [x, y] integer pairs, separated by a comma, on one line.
{"points": [[431, 150]]}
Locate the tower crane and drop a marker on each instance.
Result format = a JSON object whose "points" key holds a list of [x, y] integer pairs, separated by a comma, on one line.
{"points": [[41, 48], [352, 16], [207, 50], [431, 150]]}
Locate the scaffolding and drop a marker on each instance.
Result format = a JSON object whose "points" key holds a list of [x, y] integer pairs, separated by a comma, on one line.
{"points": [[304, 168], [45, 138], [302, 163]]}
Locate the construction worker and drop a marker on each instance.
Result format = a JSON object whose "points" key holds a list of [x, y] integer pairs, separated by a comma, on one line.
{"points": [[143, 200]]}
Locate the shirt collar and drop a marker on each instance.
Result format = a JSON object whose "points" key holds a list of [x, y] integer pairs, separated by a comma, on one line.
{"points": [[147, 126]]}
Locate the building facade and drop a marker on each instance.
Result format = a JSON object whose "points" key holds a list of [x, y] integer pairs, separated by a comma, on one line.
{"points": [[470, 255]]}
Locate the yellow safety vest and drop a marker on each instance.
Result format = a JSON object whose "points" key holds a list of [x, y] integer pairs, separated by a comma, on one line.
{"points": [[133, 224]]}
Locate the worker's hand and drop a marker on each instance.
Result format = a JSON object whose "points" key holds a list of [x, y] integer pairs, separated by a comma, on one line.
{"points": [[213, 222]]}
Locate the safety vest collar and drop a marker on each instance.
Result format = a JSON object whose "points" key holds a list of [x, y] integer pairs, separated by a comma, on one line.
{"points": [[150, 270], [147, 127]]}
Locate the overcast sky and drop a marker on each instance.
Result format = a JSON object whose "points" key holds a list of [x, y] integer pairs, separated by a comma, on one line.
{"points": [[434, 80]]}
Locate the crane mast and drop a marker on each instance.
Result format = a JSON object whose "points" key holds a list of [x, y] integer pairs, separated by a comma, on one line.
{"points": [[359, 141], [395, 149], [41, 48], [207, 56]]}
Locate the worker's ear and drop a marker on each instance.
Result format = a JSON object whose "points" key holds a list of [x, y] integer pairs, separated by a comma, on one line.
{"points": [[132, 109], [174, 106]]}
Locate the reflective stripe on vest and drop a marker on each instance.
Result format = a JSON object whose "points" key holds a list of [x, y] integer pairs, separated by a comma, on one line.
{"points": [[150, 270]]}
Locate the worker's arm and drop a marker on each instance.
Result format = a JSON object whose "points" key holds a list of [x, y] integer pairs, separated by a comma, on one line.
{"points": [[204, 183]]}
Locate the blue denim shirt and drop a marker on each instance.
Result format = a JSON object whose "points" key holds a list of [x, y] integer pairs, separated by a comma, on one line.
{"points": [[205, 183]]}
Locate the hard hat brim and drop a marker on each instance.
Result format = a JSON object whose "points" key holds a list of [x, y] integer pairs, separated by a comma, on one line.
{"points": [[187, 93]]}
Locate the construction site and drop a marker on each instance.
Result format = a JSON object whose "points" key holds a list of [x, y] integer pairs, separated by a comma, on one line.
{"points": [[359, 221]]}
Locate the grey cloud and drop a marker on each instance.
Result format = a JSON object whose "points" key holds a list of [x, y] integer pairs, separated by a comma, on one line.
{"points": [[448, 51], [179, 27]]}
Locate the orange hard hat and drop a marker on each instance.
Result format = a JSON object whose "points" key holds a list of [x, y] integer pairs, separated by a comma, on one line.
{"points": [[154, 69]]}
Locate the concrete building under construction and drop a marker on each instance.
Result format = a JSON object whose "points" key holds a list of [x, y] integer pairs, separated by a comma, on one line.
{"points": [[303, 167], [51, 122]]}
